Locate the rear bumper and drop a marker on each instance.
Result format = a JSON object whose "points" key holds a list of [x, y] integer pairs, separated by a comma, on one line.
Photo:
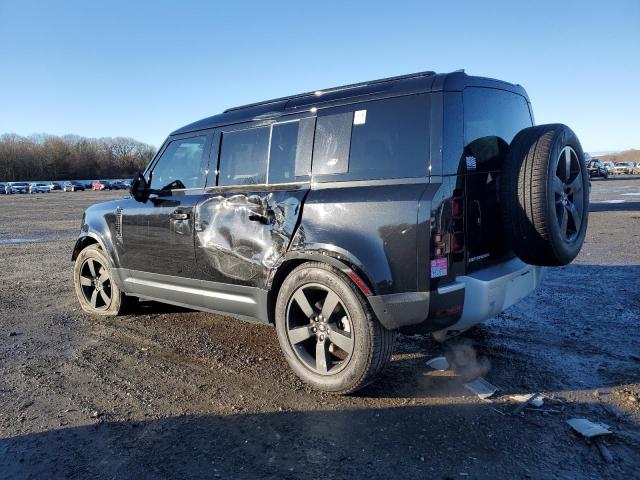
{"points": [[489, 291], [486, 293]]}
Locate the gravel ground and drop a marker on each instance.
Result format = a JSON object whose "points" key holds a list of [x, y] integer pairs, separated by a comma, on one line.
{"points": [[171, 393]]}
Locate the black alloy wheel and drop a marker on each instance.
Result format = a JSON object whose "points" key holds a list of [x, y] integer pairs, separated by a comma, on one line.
{"points": [[567, 188], [319, 329], [95, 283]]}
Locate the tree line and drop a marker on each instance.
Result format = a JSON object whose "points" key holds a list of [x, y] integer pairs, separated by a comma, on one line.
{"points": [[70, 157], [625, 156]]}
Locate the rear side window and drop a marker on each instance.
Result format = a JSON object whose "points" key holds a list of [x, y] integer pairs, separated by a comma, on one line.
{"points": [[491, 119], [290, 150], [278, 153], [376, 140], [243, 157]]}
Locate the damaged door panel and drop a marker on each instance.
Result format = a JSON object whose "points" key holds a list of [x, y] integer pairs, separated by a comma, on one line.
{"points": [[245, 224], [240, 236]]}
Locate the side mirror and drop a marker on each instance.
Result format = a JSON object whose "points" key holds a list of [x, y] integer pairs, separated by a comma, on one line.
{"points": [[140, 188]]}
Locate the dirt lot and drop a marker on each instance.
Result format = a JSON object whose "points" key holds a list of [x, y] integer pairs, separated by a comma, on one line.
{"points": [[173, 393]]}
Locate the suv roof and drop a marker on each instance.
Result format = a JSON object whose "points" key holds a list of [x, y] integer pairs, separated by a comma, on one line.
{"points": [[421, 82]]}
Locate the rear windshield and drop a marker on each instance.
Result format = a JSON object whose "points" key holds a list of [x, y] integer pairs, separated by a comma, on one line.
{"points": [[491, 119]]}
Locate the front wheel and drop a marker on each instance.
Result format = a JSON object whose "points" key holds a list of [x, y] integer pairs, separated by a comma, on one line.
{"points": [[95, 288], [329, 336]]}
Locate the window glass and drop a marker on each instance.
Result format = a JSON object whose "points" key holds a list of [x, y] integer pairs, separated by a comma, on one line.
{"points": [[243, 157], [282, 157], [331, 144], [390, 139], [290, 154], [491, 120], [181, 165], [378, 140]]}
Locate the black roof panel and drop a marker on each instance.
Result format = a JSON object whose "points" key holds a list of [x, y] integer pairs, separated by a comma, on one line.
{"points": [[393, 86]]}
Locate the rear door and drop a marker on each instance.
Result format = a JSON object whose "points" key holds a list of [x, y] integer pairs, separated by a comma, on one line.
{"points": [[492, 118], [245, 223]]}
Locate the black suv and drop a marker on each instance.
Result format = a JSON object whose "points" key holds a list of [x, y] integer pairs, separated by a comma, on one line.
{"points": [[425, 201]]}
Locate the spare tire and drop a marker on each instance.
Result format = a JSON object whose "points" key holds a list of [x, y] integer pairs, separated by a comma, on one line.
{"points": [[544, 192]]}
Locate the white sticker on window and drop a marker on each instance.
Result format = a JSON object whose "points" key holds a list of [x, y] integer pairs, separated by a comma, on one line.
{"points": [[360, 117]]}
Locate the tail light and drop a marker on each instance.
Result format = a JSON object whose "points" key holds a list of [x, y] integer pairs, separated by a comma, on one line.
{"points": [[457, 223], [457, 242], [457, 205]]}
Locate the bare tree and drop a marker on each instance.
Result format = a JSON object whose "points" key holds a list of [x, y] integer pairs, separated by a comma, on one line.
{"points": [[49, 157]]}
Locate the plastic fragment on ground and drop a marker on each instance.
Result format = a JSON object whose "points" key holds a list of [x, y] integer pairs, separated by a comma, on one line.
{"points": [[587, 428], [536, 402], [481, 388], [438, 363]]}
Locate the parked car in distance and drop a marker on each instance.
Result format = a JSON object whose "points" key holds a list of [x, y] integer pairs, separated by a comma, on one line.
{"points": [[102, 185], [119, 185], [54, 186], [619, 169], [74, 186], [609, 166], [596, 169], [344, 215], [39, 188], [631, 168], [18, 187]]}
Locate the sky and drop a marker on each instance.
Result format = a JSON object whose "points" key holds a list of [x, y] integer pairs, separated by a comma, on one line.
{"points": [[145, 68]]}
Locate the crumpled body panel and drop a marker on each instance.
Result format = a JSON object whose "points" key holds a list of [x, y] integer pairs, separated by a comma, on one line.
{"points": [[241, 236]]}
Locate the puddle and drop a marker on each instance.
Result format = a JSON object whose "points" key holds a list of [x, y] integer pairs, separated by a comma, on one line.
{"points": [[9, 241], [43, 235]]}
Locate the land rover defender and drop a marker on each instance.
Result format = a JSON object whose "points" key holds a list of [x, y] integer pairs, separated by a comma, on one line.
{"points": [[427, 201]]}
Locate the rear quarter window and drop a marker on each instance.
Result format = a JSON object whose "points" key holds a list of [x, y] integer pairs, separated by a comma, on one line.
{"points": [[382, 139], [492, 118]]}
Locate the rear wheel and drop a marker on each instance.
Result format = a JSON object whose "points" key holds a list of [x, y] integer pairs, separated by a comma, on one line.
{"points": [[327, 332]]}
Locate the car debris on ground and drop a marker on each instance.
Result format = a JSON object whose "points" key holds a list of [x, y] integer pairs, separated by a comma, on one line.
{"points": [[593, 431], [482, 388], [529, 398], [589, 429], [438, 363]]}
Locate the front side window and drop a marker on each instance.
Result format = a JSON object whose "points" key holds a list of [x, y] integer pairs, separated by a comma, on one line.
{"points": [[181, 165], [243, 157]]}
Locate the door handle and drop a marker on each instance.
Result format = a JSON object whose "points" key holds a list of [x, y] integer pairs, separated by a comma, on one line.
{"points": [[263, 219], [180, 216]]}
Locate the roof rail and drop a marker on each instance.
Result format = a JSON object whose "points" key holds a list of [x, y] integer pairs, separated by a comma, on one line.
{"points": [[334, 89]]}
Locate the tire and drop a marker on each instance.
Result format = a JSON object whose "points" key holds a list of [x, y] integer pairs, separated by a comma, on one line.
{"points": [[545, 195], [118, 302], [344, 370]]}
